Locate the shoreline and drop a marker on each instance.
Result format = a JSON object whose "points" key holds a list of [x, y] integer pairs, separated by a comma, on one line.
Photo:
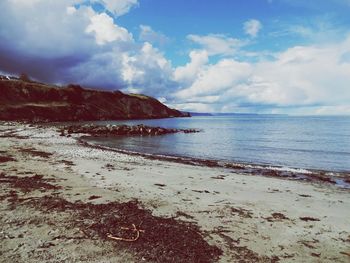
{"points": [[340, 179], [249, 218]]}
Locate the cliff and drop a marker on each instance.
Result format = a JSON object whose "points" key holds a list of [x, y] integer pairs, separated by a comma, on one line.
{"points": [[33, 101]]}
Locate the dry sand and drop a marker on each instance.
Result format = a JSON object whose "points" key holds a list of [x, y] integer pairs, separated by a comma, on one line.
{"points": [[249, 218]]}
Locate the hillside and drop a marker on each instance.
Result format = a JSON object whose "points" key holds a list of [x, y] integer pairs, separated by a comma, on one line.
{"points": [[33, 101]]}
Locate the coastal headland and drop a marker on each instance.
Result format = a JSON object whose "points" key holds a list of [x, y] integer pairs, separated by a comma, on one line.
{"points": [[23, 99]]}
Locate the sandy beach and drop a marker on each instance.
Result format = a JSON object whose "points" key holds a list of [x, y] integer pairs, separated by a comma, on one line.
{"points": [[57, 194]]}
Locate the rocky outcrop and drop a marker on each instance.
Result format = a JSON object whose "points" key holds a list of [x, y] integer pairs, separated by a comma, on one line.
{"points": [[33, 101], [117, 130]]}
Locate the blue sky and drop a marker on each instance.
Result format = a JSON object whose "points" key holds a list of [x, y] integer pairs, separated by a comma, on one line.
{"points": [[180, 18], [259, 56]]}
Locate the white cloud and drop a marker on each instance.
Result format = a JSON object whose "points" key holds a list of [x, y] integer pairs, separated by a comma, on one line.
{"points": [[26, 3], [332, 110], [147, 34], [303, 76], [148, 71], [300, 77], [252, 27], [118, 7], [321, 29], [216, 44], [194, 107], [216, 79], [106, 30], [71, 10], [188, 73]]}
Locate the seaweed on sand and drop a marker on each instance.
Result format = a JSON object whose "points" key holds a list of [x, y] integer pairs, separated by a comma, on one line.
{"points": [[161, 239], [4, 159], [36, 153], [27, 183]]}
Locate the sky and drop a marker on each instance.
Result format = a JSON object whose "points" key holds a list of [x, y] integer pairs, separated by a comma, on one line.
{"points": [[243, 56]]}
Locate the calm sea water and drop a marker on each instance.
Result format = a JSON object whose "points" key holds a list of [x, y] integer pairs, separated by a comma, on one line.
{"points": [[321, 143]]}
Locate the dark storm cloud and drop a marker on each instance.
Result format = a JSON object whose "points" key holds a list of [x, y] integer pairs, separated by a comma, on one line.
{"points": [[51, 70], [40, 42], [67, 41]]}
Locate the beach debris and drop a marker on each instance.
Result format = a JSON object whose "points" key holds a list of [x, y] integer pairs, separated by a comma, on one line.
{"points": [[271, 191], [12, 134], [43, 244], [277, 217], [68, 163], [303, 195], [308, 218], [346, 239], [93, 197], [219, 177], [345, 253], [35, 152], [182, 214], [309, 244], [27, 184], [133, 229], [201, 191], [235, 166], [113, 221], [317, 255], [160, 185], [241, 212], [243, 253], [4, 159]]}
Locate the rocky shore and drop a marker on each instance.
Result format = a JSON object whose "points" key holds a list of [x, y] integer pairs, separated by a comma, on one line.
{"points": [[117, 130]]}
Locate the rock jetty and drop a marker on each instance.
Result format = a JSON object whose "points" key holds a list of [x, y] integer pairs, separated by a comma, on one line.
{"points": [[118, 130]]}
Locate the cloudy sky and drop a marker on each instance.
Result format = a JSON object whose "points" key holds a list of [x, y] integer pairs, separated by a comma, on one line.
{"points": [[256, 56]]}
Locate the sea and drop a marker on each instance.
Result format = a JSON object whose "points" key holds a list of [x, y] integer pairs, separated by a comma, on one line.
{"points": [[286, 142]]}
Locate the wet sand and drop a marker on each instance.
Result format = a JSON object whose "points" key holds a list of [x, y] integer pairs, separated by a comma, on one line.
{"points": [[77, 194]]}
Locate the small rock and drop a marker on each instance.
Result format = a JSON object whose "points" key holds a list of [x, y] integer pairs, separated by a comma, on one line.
{"points": [[45, 244]]}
